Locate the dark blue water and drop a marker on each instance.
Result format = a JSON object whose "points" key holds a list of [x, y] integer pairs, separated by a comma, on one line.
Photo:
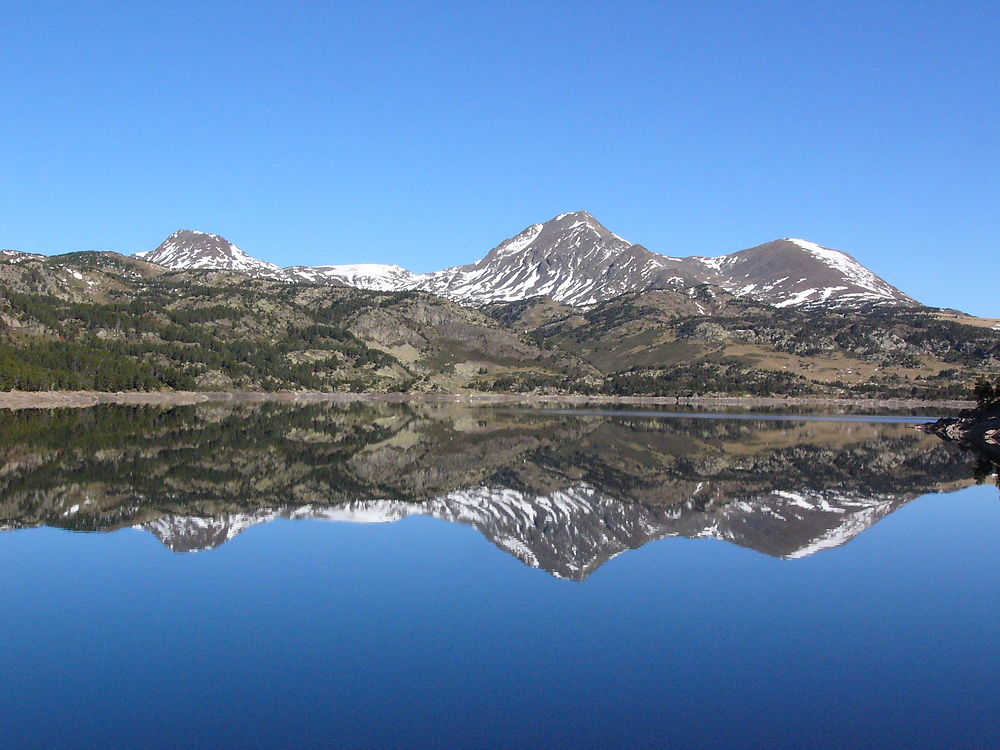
{"points": [[732, 583], [418, 633]]}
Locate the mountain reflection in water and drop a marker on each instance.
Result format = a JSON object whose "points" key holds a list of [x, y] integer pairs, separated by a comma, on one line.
{"points": [[564, 492]]}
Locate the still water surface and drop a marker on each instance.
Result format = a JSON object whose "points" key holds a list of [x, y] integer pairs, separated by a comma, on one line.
{"points": [[401, 576]]}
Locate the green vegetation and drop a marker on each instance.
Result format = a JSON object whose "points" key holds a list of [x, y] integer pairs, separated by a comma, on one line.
{"points": [[152, 342], [61, 365], [693, 342], [98, 321], [987, 394], [699, 379]]}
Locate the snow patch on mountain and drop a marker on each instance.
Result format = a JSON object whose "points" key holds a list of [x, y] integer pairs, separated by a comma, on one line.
{"points": [[572, 258], [853, 271], [373, 276], [517, 244], [16, 256]]}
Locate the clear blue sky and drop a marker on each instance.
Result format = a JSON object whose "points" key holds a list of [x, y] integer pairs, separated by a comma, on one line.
{"points": [[424, 133]]}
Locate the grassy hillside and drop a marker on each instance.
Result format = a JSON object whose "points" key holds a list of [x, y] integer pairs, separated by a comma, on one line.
{"points": [[104, 322], [101, 321], [704, 340]]}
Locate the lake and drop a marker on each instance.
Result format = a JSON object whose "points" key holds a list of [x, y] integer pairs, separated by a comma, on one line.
{"points": [[367, 575]]}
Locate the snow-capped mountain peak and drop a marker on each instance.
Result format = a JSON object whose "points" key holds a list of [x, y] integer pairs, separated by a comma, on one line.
{"points": [[189, 249], [575, 259], [572, 258], [794, 272], [517, 244]]}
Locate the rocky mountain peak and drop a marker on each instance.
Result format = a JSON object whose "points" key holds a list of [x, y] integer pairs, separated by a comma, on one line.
{"points": [[793, 272], [190, 249], [574, 259], [564, 235], [582, 223], [575, 219]]}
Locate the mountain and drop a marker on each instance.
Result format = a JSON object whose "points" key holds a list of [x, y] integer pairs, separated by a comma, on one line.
{"points": [[100, 321], [793, 272], [572, 258], [663, 342], [187, 249], [108, 322], [576, 260]]}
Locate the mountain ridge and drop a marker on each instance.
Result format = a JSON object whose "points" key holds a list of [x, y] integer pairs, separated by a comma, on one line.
{"points": [[574, 259], [107, 322]]}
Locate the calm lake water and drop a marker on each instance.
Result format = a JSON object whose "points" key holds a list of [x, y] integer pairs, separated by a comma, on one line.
{"points": [[394, 576]]}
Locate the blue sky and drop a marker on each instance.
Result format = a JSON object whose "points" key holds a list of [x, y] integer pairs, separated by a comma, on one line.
{"points": [[425, 133]]}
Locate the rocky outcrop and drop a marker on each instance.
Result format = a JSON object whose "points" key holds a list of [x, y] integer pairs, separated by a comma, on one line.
{"points": [[977, 430]]}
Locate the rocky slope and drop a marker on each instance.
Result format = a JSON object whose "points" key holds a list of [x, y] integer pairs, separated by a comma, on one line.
{"points": [[702, 340], [793, 272], [572, 258]]}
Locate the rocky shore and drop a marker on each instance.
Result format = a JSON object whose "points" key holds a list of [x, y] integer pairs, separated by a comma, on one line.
{"points": [[977, 429]]}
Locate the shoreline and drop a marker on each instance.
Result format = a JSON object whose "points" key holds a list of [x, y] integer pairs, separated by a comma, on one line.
{"points": [[976, 429], [83, 399]]}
